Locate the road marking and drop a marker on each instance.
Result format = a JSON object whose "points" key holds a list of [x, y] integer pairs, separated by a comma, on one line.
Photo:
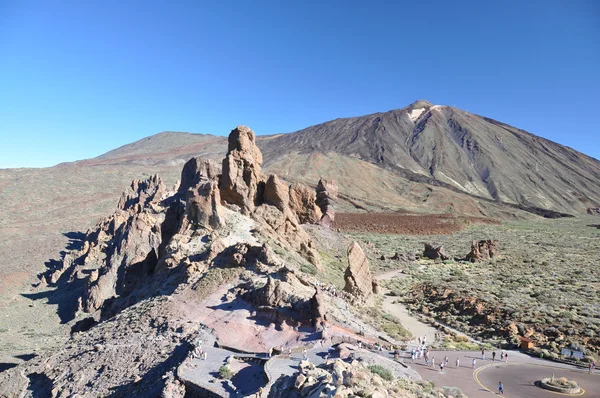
{"points": [[476, 374]]}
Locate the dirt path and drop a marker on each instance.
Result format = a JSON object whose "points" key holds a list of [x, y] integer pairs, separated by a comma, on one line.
{"points": [[409, 322]]}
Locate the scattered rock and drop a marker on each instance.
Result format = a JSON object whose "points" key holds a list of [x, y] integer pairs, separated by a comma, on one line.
{"points": [[594, 211], [435, 253], [482, 250]]}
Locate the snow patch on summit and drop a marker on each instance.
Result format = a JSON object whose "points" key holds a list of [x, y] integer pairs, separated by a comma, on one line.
{"points": [[415, 113]]}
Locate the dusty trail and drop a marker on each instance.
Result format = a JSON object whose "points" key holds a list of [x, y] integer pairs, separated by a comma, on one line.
{"points": [[409, 322]]}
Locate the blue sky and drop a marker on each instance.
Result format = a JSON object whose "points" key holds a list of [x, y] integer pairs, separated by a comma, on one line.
{"points": [[78, 78]]}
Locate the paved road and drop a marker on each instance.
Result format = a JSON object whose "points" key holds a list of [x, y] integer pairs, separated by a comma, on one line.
{"points": [[518, 375]]}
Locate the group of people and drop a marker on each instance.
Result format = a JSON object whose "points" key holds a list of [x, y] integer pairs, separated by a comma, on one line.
{"points": [[198, 352], [503, 356]]}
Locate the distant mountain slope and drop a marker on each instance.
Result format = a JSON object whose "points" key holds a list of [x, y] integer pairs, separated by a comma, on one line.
{"points": [[476, 155]]}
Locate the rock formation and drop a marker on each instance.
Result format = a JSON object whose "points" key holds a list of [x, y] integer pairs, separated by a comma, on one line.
{"points": [[303, 203], [435, 253], [405, 257], [327, 192], [242, 180], [482, 250], [197, 171], [359, 282], [593, 211]]}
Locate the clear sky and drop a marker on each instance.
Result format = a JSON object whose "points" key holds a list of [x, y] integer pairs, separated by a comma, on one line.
{"points": [[78, 78]]}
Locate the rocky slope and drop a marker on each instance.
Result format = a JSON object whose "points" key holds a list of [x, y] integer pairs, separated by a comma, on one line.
{"points": [[442, 144]]}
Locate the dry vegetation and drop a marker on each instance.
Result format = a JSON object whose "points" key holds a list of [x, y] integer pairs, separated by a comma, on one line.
{"points": [[545, 283]]}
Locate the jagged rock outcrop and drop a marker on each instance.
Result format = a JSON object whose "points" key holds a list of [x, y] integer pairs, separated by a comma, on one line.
{"points": [[303, 203], [359, 282], [142, 193], [242, 180], [593, 211], [482, 250], [327, 192], [435, 253], [197, 171]]}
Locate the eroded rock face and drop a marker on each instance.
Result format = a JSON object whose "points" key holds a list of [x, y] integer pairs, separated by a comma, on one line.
{"points": [[327, 192], [482, 250], [303, 203], [359, 281], [197, 171], [203, 205], [435, 253], [241, 182]]}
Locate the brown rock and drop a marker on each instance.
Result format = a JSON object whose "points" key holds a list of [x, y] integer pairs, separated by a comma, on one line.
{"points": [[197, 171], [376, 287], [317, 306], [141, 193], [482, 250], [594, 211], [242, 179], [276, 193], [358, 278], [303, 203], [435, 253], [327, 192], [203, 205]]}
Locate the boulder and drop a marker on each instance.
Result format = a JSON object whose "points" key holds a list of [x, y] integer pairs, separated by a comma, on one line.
{"points": [[242, 181], [435, 253], [482, 250], [359, 281], [303, 202], [276, 193]]}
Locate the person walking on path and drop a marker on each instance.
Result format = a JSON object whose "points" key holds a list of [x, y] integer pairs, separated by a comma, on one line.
{"points": [[506, 357], [474, 362], [441, 366], [433, 362], [500, 388], [483, 355], [494, 356], [305, 354], [446, 360], [591, 367], [502, 356], [457, 363]]}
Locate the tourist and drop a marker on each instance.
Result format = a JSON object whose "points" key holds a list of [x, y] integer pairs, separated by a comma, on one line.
{"points": [[433, 362], [592, 365], [457, 363], [204, 355], [482, 354], [502, 356], [305, 355], [506, 357], [442, 367], [500, 388], [474, 362], [494, 356], [446, 360]]}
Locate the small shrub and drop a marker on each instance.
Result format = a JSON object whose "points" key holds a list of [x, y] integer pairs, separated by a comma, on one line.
{"points": [[453, 392], [384, 373], [225, 372]]}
